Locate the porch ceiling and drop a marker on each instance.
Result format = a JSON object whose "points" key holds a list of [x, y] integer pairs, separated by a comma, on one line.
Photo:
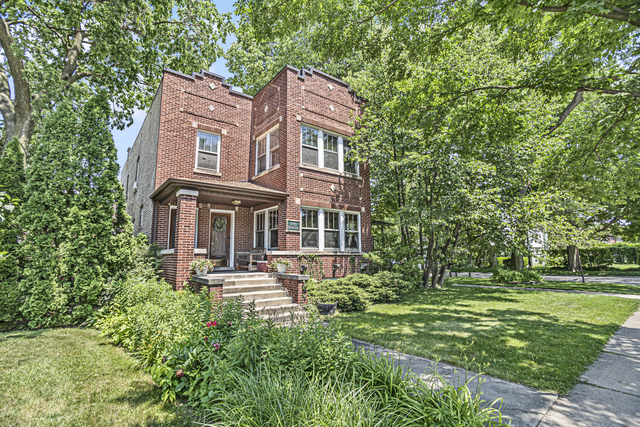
{"points": [[219, 192]]}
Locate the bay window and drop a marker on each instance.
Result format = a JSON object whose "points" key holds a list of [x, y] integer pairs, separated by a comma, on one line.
{"points": [[208, 155], [329, 230]]}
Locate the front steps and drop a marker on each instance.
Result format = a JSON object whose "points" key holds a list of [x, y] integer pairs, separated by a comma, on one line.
{"points": [[270, 299]]}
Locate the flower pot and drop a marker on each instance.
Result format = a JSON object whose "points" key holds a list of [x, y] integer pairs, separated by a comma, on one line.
{"points": [[327, 307], [262, 266], [201, 271], [282, 268]]}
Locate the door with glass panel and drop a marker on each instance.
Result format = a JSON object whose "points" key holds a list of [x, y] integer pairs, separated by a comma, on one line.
{"points": [[220, 239]]}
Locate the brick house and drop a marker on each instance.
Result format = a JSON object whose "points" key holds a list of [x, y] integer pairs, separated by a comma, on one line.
{"points": [[214, 172]]}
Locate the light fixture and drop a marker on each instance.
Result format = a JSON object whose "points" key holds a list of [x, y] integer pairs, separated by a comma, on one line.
{"points": [[235, 202]]}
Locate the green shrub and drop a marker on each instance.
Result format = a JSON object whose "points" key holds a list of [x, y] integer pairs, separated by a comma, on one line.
{"points": [[148, 318], [395, 283], [506, 276], [10, 296], [348, 297]]}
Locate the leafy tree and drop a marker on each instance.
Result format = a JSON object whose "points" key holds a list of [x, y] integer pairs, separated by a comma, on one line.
{"points": [[54, 49]]}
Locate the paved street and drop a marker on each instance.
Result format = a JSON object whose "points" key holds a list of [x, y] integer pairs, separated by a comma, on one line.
{"points": [[624, 280]]}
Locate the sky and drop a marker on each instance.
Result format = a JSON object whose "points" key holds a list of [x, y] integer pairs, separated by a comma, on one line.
{"points": [[125, 138]]}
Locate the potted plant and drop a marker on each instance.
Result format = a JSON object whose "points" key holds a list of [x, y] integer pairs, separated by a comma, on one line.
{"points": [[201, 266], [281, 265]]}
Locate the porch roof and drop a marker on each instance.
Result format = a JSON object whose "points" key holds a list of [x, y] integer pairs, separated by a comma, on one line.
{"points": [[219, 192]]}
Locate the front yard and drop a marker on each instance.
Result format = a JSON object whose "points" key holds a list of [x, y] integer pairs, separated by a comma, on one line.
{"points": [[543, 340], [612, 288], [74, 377]]}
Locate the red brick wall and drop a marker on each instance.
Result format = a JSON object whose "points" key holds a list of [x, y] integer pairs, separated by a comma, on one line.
{"points": [[185, 232], [344, 261], [186, 101]]}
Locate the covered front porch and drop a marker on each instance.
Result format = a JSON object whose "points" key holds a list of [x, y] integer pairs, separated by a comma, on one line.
{"points": [[212, 219]]}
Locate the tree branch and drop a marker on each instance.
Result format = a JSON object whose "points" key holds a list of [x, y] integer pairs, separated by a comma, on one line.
{"points": [[72, 57], [577, 99], [624, 113], [616, 14]]}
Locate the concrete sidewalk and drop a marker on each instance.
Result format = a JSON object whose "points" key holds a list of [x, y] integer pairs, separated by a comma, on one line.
{"points": [[623, 280], [524, 406], [609, 394], [565, 291]]}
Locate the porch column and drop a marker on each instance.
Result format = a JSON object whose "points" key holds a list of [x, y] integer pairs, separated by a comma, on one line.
{"points": [[185, 234]]}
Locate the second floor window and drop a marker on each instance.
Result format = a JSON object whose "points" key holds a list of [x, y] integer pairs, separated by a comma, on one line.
{"points": [[267, 155], [327, 151], [330, 151], [309, 145], [208, 151], [262, 154], [350, 165]]}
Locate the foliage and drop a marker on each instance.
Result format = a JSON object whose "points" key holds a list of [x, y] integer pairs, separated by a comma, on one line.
{"points": [[625, 253], [201, 264], [590, 257], [312, 264], [54, 50], [349, 297], [77, 233], [281, 261], [10, 296], [507, 276], [147, 317]]}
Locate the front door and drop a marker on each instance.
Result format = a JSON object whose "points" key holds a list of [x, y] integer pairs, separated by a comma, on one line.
{"points": [[220, 239]]}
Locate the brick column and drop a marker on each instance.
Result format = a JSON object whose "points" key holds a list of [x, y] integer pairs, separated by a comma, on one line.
{"points": [[185, 234]]}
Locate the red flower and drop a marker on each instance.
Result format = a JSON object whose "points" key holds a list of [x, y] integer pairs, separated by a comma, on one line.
{"points": [[179, 373]]}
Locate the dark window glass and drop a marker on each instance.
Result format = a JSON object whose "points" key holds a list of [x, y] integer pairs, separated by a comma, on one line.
{"points": [[260, 230], [309, 222], [309, 238], [310, 155], [331, 230], [349, 164], [351, 231], [207, 160], [309, 137], [172, 229], [259, 239], [262, 155], [330, 151], [273, 229], [208, 150]]}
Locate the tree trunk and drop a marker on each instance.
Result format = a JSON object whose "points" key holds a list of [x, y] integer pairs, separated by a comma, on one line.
{"points": [[517, 261], [493, 260], [572, 256], [580, 264]]}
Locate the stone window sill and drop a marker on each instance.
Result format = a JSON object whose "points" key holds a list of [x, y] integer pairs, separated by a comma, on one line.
{"points": [[167, 251], [200, 251], [264, 172], [329, 171], [207, 172]]}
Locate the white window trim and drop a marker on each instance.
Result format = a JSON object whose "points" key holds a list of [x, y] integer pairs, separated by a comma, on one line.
{"points": [[196, 167], [169, 227], [267, 136], [325, 211], [267, 236], [320, 147], [341, 220], [195, 239], [232, 233]]}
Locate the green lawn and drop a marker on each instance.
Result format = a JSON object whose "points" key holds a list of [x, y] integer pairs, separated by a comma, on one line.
{"points": [[543, 340], [614, 270], [74, 377], [613, 288]]}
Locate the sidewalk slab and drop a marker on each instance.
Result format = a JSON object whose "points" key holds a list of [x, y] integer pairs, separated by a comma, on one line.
{"points": [[524, 406], [589, 406], [626, 340], [615, 372]]}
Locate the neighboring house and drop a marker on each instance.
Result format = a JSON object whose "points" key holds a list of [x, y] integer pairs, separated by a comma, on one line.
{"points": [[214, 172]]}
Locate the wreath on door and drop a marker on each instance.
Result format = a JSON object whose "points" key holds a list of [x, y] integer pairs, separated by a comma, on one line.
{"points": [[219, 224]]}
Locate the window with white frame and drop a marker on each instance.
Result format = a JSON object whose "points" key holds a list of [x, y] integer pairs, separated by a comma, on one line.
{"points": [[350, 165], [259, 240], [135, 183], [273, 229], [351, 232], [208, 156], [326, 150], [267, 154], [274, 145], [171, 243], [330, 151], [310, 230], [332, 230], [309, 145], [338, 230]]}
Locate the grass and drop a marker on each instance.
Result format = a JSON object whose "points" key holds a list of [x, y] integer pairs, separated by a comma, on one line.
{"points": [[613, 270], [614, 288], [543, 340], [74, 377]]}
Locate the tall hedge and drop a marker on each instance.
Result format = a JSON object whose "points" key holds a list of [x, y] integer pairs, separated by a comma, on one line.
{"points": [[77, 233]]}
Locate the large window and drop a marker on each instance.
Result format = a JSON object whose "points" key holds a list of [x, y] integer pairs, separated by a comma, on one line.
{"points": [[309, 145], [310, 230], [332, 230], [350, 165], [172, 227], [330, 151], [259, 240], [273, 229], [327, 151], [339, 230], [351, 231], [208, 151], [267, 155]]}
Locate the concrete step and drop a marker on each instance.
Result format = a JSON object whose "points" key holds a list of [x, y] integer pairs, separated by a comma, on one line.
{"points": [[268, 302], [285, 318], [236, 276], [249, 282], [275, 309], [245, 289], [248, 296]]}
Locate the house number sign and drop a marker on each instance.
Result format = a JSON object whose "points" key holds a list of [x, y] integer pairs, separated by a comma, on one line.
{"points": [[293, 225]]}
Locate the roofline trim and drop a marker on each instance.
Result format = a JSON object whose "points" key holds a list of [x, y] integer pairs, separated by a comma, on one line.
{"points": [[202, 74]]}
